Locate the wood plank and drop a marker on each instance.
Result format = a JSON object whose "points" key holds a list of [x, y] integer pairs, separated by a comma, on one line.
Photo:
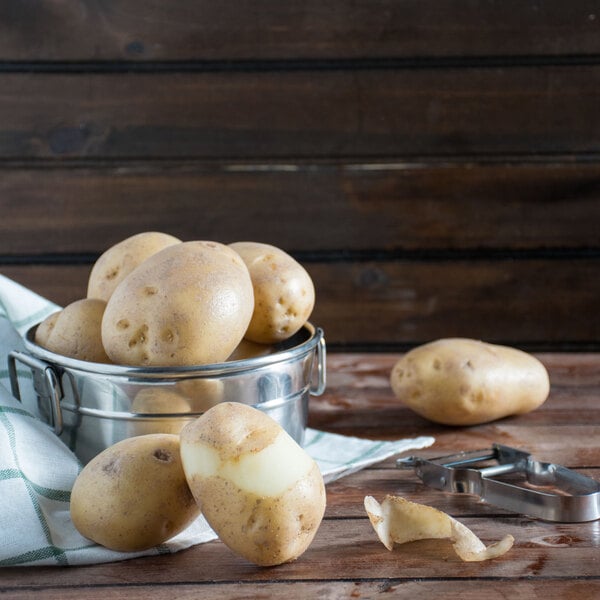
{"points": [[317, 114], [585, 589], [503, 301], [526, 300], [347, 549], [346, 559], [307, 207], [266, 29]]}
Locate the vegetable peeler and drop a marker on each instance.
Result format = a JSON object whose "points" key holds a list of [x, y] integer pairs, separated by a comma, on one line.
{"points": [[549, 491]]}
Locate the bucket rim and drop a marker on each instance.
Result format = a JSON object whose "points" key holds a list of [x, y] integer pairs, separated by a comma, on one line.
{"points": [[308, 338]]}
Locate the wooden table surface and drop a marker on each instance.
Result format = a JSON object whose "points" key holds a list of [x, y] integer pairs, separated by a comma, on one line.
{"points": [[346, 560]]}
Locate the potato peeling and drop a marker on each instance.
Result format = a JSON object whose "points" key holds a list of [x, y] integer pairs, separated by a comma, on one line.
{"points": [[397, 521]]}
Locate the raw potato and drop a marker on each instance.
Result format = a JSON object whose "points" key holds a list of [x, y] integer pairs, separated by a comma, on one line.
{"points": [[122, 258], [75, 331], [158, 400], [247, 349], [459, 381], [258, 489], [397, 521], [133, 495], [189, 304], [44, 329], [284, 294], [201, 393]]}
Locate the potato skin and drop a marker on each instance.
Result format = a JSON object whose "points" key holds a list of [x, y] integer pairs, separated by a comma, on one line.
{"points": [[266, 526], [189, 304], [122, 258], [460, 381], [284, 294], [75, 331], [158, 400], [133, 495]]}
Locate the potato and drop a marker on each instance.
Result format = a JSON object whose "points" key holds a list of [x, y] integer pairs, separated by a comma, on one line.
{"points": [[258, 489], [459, 381], [201, 394], [189, 304], [158, 400], [133, 495], [247, 349], [122, 258], [75, 331], [44, 329], [284, 294]]}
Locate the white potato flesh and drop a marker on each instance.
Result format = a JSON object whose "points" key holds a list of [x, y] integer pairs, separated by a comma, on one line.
{"points": [[268, 472]]}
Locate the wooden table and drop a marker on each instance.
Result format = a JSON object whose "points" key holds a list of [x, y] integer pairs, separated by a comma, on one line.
{"points": [[346, 560]]}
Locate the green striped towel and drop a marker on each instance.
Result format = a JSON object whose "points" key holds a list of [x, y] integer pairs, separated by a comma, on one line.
{"points": [[37, 470]]}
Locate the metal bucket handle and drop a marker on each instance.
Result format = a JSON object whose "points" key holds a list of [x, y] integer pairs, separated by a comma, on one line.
{"points": [[45, 381], [319, 388]]}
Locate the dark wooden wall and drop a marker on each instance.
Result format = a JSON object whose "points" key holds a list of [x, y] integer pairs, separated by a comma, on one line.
{"points": [[434, 164]]}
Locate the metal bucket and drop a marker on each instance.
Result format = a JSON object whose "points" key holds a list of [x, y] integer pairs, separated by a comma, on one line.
{"points": [[92, 405]]}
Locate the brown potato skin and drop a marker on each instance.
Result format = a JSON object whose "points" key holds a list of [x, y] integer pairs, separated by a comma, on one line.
{"points": [[133, 495], [119, 260], [189, 304], [460, 381], [284, 294], [295, 517], [75, 331], [156, 400], [265, 529]]}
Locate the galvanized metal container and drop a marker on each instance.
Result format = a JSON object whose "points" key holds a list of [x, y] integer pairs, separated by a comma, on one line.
{"points": [[92, 405]]}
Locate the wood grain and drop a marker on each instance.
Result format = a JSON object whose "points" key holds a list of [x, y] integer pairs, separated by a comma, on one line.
{"points": [[319, 114], [316, 207], [583, 589], [266, 29], [531, 302], [540, 550]]}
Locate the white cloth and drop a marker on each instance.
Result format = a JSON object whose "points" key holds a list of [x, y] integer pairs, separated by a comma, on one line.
{"points": [[37, 470]]}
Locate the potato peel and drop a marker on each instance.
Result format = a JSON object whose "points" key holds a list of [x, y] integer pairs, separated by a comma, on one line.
{"points": [[397, 521]]}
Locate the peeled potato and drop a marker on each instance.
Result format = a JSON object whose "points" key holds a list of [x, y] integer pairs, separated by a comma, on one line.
{"points": [[75, 331], [122, 258], [459, 381], [258, 489], [284, 294], [189, 304], [133, 495]]}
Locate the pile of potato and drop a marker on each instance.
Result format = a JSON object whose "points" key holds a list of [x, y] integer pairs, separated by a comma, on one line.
{"points": [[154, 300]]}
